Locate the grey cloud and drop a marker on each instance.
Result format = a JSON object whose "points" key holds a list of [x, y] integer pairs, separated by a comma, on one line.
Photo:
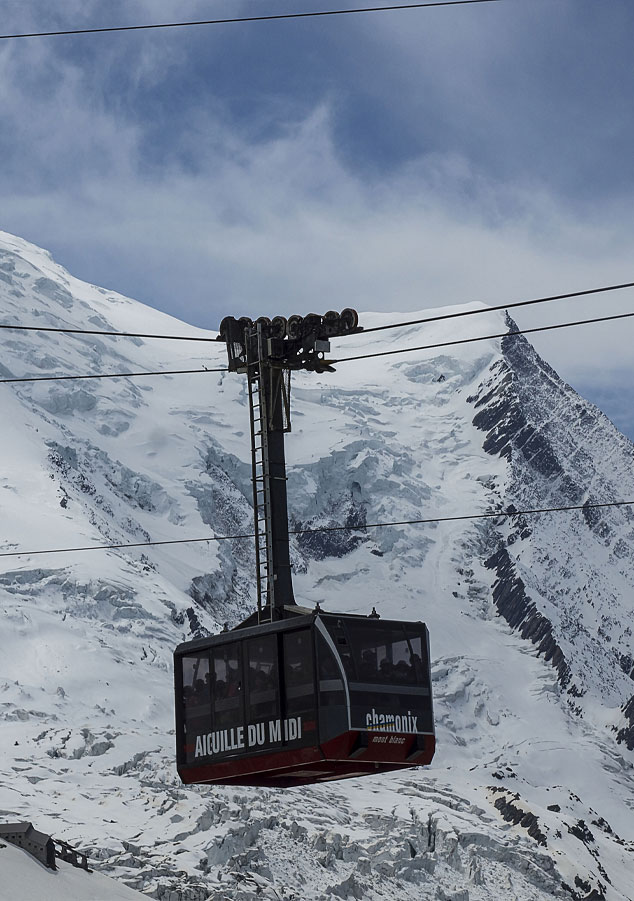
{"points": [[288, 222]]}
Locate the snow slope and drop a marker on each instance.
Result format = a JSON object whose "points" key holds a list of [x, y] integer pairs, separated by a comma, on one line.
{"points": [[531, 793], [27, 879]]}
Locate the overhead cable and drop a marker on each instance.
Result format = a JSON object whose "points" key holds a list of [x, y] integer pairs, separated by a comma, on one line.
{"points": [[378, 328], [108, 375], [509, 334], [88, 331], [270, 18], [493, 514], [502, 306], [381, 353]]}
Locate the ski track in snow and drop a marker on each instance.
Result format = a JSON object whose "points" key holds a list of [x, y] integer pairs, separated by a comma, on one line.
{"points": [[530, 795]]}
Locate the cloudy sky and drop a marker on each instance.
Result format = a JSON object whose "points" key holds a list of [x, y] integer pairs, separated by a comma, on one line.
{"points": [[390, 161]]}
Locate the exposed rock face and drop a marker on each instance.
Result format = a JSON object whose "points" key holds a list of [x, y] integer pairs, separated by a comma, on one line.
{"points": [[626, 734], [560, 584], [530, 617], [512, 602]]}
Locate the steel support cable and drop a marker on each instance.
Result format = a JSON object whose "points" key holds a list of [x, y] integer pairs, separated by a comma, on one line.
{"points": [[503, 306], [270, 18], [100, 334], [107, 375], [509, 334], [382, 353], [493, 514], [378, 328]]}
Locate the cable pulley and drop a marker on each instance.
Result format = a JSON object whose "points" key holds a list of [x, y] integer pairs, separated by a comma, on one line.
{"points": [[299, 342]]}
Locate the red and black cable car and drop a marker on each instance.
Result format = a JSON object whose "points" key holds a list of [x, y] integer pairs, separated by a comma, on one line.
{"points": [[312, 697], [292, 695]]}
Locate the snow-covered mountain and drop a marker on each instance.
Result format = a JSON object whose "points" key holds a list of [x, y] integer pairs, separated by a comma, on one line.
{"points": [[531, 792]]}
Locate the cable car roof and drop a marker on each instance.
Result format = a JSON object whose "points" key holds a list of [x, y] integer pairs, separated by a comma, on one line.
{"points": [[294, 617]]}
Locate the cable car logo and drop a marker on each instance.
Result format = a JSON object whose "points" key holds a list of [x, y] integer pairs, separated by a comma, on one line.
{"points": [[234, 739], [390, 722]]}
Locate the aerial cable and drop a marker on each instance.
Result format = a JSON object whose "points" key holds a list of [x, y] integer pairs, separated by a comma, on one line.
{"points": [[377, 328], [493, 514], [382, 353], [85, 331], [270, 18], [503, 306], [108, 375], [508, 334]]}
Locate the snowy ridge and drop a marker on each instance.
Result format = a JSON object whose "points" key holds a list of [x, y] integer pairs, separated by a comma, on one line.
{"points": [[26, 878], [535, 421], [531, 794]]}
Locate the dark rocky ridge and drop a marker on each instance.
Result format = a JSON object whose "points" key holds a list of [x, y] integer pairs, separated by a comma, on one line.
{"points": [[508, 433], [555, 443], [626, 734], [519, 817], [504, 416], [512, 602]]}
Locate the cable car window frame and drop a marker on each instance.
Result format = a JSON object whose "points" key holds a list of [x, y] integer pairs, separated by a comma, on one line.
{"points": [[351, 629], [292, 690], [331, 644], [320, 627], [190, 712], [215, 651], [385, 697], [273, 691]]}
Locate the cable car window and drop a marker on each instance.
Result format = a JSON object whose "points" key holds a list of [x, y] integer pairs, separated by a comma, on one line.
{"points": [[196, 700], [333, 710], [382, 654], [388, 674], [298, 673], [419, 658], [227, 686], [195, 681], [264, 695], [340, 638], [331, 689]]}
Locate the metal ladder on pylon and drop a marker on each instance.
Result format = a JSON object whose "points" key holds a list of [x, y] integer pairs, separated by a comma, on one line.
{"points": [[260, 476]]}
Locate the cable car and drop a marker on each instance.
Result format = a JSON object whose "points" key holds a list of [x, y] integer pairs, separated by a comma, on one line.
{"points": [[312, 697], [292, 695]]}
